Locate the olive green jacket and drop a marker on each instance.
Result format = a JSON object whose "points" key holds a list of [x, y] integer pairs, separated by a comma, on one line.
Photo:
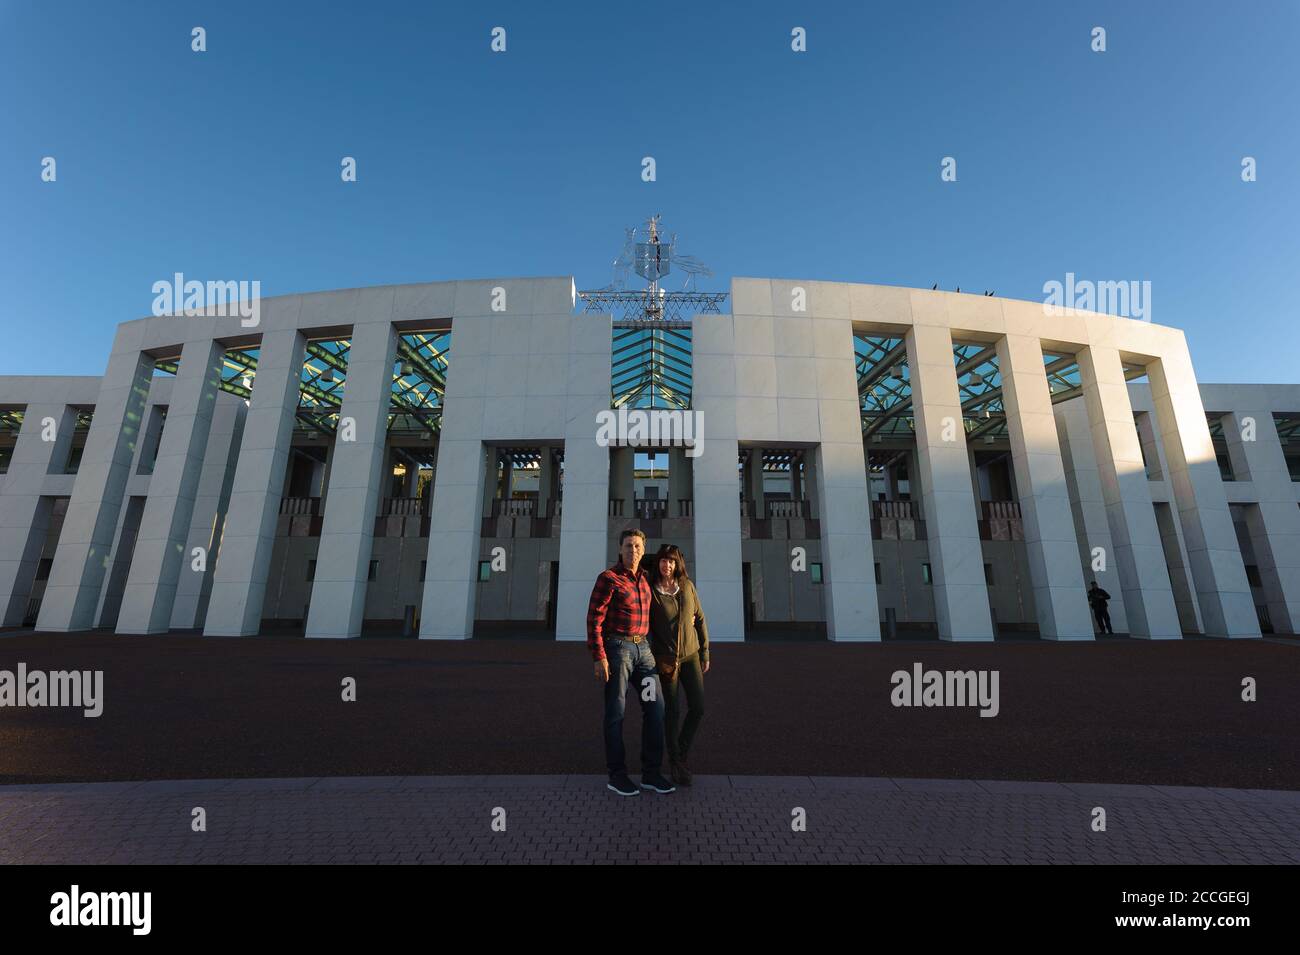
{"points": [[691, 634]]}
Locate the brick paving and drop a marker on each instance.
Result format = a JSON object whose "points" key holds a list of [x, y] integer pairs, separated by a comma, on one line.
{"points": [[1122, 711], [574, 819]]}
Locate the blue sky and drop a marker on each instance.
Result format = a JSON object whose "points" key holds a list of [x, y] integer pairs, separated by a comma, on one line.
{"points": [[821, 165]]}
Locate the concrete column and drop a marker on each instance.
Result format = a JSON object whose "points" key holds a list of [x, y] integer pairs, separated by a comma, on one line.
{"points": [[321, 473], [715, 476], [839, 480], [1150, 447], [1171, 538], [87, 536], [584, 529], [961, 599], [490, 479], [1189, 611], [338, 593], [119, 558], [22, 529], [545, 481], [1139, 555], [1089, 506], [754, 483], [459, 494], [160, 542], [815, 487], [507, 477], [745, 466], [977, 485], [679, 479], [831, 476], [891, 482], [243, 564], [211, 502], [717, 532], [624, 483], [1059, 599], [149, 446], [1227, 609], [110, 595], [1275, 523]]}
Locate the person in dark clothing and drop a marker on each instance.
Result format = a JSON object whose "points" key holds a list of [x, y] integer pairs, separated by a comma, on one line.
{"points": [[1097, 599], [679, 638]]}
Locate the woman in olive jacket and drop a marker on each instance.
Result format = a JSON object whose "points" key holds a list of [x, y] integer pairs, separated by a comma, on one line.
{"points": [[679, 640]]}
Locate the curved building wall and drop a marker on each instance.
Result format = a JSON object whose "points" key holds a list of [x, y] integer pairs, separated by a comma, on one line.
{"points": [[529, 376]]}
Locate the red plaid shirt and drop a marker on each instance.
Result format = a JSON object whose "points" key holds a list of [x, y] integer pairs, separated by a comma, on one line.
{"points": [[620, 604]]}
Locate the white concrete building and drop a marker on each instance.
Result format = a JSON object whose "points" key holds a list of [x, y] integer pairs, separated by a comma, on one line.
{"points": [[873, 460]]}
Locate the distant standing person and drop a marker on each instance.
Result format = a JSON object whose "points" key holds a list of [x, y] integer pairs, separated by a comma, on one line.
{"points": [[679, 638], [1097, 598]]}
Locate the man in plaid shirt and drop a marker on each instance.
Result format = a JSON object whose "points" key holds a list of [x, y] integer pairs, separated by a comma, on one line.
{"points": [[618, 636]]}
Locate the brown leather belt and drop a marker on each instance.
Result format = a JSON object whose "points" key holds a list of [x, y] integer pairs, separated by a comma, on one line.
{"points": [[624, 636]]}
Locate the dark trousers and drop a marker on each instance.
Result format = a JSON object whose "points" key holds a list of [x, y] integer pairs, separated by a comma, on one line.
{"points": [[1103, 618], [689, 679], [633, 663]]}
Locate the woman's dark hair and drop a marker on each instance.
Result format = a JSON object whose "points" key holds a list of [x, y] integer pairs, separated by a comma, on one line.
{"points": [[673, 553]]}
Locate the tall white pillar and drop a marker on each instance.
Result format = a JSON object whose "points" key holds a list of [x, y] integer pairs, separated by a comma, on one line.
{"points": [[160, 542], [86, 540], [835, 480], [961, 599], [451, 579], [1189, 611], [716, 477], [243, 564], [211, 501], [839, 480], [1089, 504], [1222, 591], [584, 523], [23, 518], [338, 594], [1275, 521], [1053, 550], [717, 531], [1148, 596]]}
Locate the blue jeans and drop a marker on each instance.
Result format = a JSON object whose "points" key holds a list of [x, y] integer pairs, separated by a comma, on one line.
{"points": [[632, 663]]}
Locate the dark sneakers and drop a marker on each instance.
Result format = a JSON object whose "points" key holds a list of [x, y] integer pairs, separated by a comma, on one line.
{"points": [[622, 785], [657, 782], [681, 775]]}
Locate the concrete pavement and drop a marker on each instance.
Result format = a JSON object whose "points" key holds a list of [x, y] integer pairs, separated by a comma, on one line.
{"points": [[574, 819]]}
